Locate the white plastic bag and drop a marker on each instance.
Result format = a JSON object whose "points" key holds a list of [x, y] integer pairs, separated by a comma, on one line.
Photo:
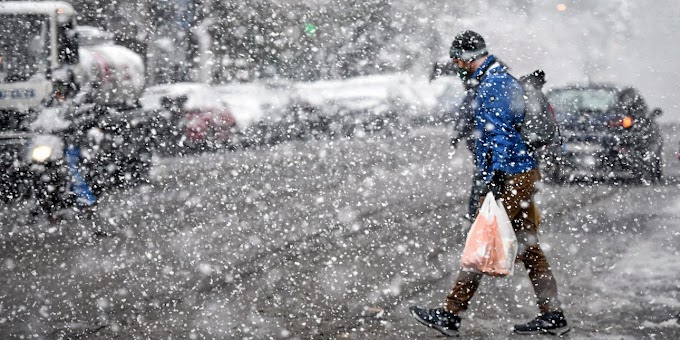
{"points": [[491, 245]]}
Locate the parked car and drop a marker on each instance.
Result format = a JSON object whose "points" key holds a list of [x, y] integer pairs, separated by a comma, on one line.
{"points": [[607, 133], [188, 116]]}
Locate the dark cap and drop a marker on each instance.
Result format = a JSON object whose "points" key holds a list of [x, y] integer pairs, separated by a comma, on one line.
{"points": [[468, 46]]}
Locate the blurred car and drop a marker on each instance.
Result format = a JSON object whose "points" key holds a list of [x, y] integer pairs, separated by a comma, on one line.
{"points": [[608, 133], [188, 116]]}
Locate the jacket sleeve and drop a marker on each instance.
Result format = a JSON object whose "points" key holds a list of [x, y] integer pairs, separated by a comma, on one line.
{"points": [[464, 124]]}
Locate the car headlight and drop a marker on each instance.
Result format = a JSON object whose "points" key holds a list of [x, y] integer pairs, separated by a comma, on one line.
{"points": [[41, 153]]}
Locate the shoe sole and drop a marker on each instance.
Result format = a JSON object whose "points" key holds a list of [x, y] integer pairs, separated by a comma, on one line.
{"points": [[557, 331], [445, 331]]}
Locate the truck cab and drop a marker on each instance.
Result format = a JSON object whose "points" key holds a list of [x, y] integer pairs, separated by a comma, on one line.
{"points": [[37, 43]]}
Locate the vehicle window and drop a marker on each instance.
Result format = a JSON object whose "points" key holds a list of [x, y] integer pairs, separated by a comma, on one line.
{"points": [[580, 101], [68, 44], [24, 47]]}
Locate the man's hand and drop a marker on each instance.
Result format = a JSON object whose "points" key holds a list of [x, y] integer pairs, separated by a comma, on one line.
{"points": [[497, 184], [455, 141], [456, 138]]}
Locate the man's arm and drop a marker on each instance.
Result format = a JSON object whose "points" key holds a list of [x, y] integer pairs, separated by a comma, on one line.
{"points": [[464, 124]]}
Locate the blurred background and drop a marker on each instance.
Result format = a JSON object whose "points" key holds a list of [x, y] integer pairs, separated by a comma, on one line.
{"points": [[217, 42]]}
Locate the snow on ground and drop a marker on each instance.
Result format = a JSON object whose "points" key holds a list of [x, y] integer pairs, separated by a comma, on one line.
{"points": [[322, 239]]}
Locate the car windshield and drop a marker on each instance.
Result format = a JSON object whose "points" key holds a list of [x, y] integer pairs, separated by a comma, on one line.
{"points": [[591, 100], [23, 46]]}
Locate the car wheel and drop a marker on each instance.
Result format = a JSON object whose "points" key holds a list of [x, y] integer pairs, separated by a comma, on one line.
{"points": [[348, 131], [137, 168], [651, 172], [554, 171], [557, 175]]}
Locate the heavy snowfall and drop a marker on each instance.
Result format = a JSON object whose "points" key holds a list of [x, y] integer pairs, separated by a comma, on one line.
{"points": [[271, 169]]}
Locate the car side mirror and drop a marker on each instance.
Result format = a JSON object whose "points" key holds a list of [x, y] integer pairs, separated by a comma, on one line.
{"points": [[657, 112]]}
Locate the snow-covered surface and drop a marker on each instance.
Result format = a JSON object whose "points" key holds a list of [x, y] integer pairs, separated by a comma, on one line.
{"points": [[247, 102], [198, 95], [356, 93], [250, 102], [90, 35], [112, 73], [50, 120], [372, 91]]}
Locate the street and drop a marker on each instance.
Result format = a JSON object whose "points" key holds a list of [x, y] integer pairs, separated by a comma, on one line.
{"points": [[332, 239]]}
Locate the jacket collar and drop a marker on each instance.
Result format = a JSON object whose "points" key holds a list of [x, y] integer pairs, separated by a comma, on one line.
{"points": [[485, 66]]}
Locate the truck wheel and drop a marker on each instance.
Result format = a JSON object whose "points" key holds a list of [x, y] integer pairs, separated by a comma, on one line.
{"points": [[650, 173], [52, 196], [141, 167], [657, 170]]}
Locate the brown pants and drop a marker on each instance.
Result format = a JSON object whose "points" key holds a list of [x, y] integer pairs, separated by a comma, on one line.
{"points": [[518, 201]]}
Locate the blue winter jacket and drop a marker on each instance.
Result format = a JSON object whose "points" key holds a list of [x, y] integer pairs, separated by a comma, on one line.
{"points": [[499, 111]]}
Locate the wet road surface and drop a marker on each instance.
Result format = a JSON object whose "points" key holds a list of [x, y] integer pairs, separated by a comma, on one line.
{"points": [[332, 239]]}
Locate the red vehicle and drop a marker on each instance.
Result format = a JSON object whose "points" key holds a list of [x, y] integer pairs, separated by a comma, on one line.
{"points": [[212, 127], [189, 116]]}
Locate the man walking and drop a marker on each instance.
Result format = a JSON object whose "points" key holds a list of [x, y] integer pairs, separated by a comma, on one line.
{"points": [[463, 130], [505, 165]]}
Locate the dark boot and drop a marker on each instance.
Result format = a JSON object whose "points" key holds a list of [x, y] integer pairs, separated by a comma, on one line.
{"points": [[440, 319], [551, 323]]}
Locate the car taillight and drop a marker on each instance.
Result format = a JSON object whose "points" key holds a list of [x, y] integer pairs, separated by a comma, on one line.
{"points": [[191, 114], [626, 122]]}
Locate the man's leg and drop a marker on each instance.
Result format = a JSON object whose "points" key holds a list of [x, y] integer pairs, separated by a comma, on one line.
{"points": [[446, 320], [538, 268], [551, 319], [518, 201], [467, 282], [466, 285], [83, 192]]}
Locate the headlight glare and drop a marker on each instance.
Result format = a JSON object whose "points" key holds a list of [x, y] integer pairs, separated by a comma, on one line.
{"points": [[41, 153]]}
